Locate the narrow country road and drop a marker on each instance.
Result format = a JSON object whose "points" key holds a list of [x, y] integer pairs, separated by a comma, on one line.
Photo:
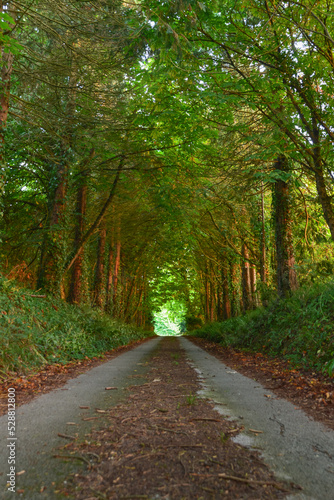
{"points": [[295, 447]]}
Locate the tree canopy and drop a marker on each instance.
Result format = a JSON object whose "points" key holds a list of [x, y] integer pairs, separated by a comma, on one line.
{"points": [[168, 158]]}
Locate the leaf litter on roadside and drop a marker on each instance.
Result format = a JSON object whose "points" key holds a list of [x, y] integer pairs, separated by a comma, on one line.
{"points": [[313, 392]]}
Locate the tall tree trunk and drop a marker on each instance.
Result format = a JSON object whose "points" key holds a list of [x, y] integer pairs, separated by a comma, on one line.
{"points": [[99, 270], [136, 313], [144, 310], [234, 273], [6, 72], [50, 272], [49, 269], [110, 270], [252, 271], [246, 281], [318, 168], [130, 294], [263, 267], [325, 200], [116, 273], [220, 313], [207, 295], [123, 293], [75, 291], [226, 293], [212, 292], [286, 274]]}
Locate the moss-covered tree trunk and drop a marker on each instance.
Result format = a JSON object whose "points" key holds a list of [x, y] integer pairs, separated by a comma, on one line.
{"points": [[253, 277], [5, 82], [226, 292], [286, 273], [116, 275], [234, 274], [246, 281], [98, 293], [54, 245], [110, 271], [263, 265], [75, 289], [51, 253]]}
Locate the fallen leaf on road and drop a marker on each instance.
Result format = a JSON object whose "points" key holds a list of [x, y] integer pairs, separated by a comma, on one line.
{"points": [[109, 388]]}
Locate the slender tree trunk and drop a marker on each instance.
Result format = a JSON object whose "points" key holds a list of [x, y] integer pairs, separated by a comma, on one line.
{"points": [[99, 270], [109, 282], [286, 274], [226, 293], [6, 72], [123, 293], [135, 315], [235, 309], [220, 313], [51, 252], [325, 200], [50, 273], [212, 293], [207, 296], [75, 291], [252, 271], [318, 168], [129, 297], [116, 274], [263, 267], [246, 281]]}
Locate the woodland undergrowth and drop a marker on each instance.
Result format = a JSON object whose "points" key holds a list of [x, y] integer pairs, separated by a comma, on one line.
{"points": [[299, 329], [37, 330]]}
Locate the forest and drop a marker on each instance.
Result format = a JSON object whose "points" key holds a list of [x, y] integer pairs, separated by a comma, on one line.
{"points": [[166, 163]]}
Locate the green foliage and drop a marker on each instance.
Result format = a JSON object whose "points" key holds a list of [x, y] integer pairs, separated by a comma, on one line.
{"points": [[299, 329], [224, 437], [37, 331], [170, 318], [191, 400], [7, 42]]}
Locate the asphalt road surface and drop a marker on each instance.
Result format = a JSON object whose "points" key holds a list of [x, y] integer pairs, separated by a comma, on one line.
{"points": [[294, 446]]}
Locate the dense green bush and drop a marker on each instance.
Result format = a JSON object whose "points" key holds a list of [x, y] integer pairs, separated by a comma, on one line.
{"points": [[36, 331], [299, 329]]}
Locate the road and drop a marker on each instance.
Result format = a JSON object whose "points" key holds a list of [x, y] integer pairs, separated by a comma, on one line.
{"points": [[294, 446]]}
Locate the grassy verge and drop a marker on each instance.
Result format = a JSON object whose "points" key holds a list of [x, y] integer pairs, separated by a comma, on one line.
{"points": [[299, 329], [35, 331]]}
